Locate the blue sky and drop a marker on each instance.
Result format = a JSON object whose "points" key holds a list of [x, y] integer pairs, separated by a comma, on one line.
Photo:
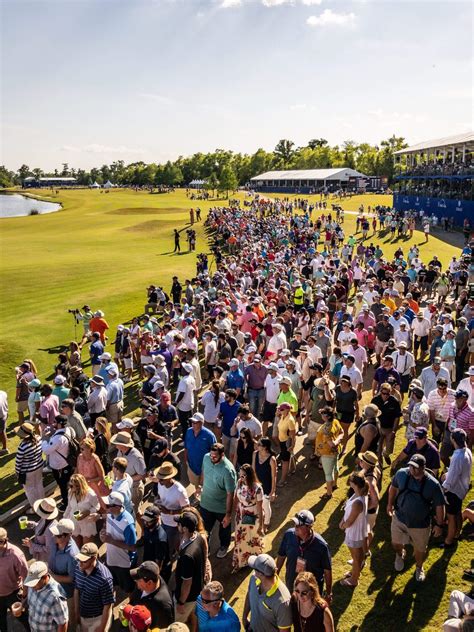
{"points": [[92, 81]]}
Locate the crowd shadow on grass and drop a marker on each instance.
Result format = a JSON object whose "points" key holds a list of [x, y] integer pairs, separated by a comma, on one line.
{"points": [[391, 610], [54, 350]]}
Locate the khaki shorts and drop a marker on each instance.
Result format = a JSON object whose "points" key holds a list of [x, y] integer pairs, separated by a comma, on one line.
{"points": [[401, 534], [193, 478], [22, 406], [189, 608]]}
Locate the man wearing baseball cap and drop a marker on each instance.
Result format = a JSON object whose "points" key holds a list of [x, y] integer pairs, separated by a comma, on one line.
{"points": [[235, 378], [305, 550], [62, 559], [420, 444], [93, 590], [46, 601], [467, 384], [255, 374], [414, 496], [439, 403], [197, 442], [120, 537], [461, 415], [155, 541], [153, 593], [268, 599], [190, 566], [272, 391]]}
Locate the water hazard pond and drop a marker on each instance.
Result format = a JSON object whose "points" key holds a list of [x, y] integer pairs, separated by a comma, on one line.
{"points": [[16, 205]]}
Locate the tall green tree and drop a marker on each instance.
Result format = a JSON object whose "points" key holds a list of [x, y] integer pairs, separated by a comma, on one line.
{"points": [[228, 180], [7, 178], [284, 151], [23, 172]]}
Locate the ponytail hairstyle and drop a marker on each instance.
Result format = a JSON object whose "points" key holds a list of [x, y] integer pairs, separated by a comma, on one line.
{"points": [[216, 389], [358, 479]]}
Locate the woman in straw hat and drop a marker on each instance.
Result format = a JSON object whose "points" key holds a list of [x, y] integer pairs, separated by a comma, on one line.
{"points": [[29, 462], [42, 543]]}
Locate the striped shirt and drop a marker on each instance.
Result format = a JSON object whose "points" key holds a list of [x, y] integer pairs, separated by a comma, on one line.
{"points": [[95, 590], [121, 528], [29, 457], [440, 405], [461, 418]]}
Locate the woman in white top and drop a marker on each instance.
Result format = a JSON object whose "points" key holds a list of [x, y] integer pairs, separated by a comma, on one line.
{"points": [[82, 508], [210, 404], [356, 526]]}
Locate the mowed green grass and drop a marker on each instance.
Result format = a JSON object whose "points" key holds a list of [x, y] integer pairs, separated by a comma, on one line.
{"points": [[105, 249]]}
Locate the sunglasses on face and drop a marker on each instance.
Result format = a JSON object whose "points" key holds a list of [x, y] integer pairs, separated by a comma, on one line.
{"points": [[385, 392], [303, 593], [207, 601]]}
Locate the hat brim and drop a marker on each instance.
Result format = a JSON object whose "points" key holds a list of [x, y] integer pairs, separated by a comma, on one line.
{"points": [[81, 557], [47, 516], [361, 457], [167, 476]]}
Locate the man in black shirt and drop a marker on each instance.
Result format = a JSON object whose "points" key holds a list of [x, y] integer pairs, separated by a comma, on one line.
{"points": [[390, 413], [155, 541], [189, 567], [160, 454], [153, 593], [420, 445], [149, 430]]}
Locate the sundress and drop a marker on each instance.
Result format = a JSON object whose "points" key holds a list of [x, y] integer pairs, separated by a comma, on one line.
{"points": [[247, 540]]}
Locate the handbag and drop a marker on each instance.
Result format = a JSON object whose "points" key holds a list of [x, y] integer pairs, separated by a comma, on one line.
{"points": [[250, 519]]}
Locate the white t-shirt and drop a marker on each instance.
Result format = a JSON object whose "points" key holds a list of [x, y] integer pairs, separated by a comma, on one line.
{"points": [[272, 388], [252, 424], [211, 411], [465, 385], [354, 374], [211, 350], [173, 498], [186, 385]]}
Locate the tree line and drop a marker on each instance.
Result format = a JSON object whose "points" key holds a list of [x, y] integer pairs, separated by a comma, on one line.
{"points": [[224, 169]]}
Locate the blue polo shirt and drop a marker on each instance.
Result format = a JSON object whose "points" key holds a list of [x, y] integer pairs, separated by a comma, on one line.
{"points": [[229, 413], [96, 349], [315, 552], [95, 590], [197, 447], [235, 379], [226, 620], [64, 563]]}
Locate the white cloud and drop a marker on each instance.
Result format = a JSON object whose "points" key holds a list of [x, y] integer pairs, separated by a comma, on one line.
{"points": [[309, 3], [230, 4], [298, 107], [276, 3], [331, 18], [159, 98], [96, 148]]}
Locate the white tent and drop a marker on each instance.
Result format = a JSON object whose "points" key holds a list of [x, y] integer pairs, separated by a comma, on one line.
{"points": [[108, 185], [96, 185], [197, 184]]}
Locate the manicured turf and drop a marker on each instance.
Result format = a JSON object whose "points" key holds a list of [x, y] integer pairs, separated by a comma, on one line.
{"points": [[105, 249]]}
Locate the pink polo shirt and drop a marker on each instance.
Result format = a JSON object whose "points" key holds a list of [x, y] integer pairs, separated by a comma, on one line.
{"points": [[13, 569]]}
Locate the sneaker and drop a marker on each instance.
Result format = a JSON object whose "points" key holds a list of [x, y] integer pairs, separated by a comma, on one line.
{"points": [[222, 552], [420, 574], [399, 562], [46, 468]]}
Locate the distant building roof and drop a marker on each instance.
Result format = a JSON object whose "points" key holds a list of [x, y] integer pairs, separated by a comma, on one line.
{"points": [[309, 174], [57, 179], [445, 141]]}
